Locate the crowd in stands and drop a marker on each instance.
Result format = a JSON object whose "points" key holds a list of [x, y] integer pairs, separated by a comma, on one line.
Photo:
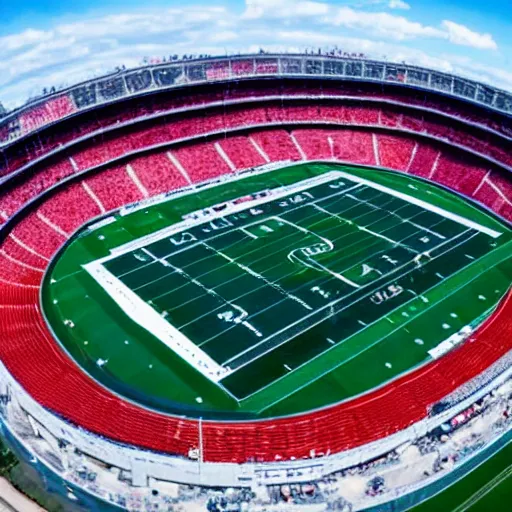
{"points": [[418, 461], [248, 132]]}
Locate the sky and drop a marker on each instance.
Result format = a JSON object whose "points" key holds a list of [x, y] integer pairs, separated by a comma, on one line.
{"points": [[45, 43]]}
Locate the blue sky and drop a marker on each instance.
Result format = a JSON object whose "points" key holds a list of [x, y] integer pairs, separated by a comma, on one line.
{"points": [[50, 42]]}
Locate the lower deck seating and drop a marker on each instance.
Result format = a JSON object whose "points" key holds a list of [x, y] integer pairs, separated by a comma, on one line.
{"points": [[45, 371], [157, 174]]}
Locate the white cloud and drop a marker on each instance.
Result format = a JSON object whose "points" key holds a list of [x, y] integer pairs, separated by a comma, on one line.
{"points": [[381, 23], [72, 51], [283, 8], [459, 34], [398, 4]]}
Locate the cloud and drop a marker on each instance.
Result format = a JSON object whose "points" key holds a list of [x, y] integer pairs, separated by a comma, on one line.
{"points": [[381, 23], [283, 8], [459, 34], [398, 4], [73, 51]]}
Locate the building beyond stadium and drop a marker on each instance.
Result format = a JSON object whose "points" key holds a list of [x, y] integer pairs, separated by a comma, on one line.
{"points": [[238, 281]]}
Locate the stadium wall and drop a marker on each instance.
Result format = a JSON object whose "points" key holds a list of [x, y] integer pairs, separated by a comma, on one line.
{"points": [[144, 464], [136, 82]]}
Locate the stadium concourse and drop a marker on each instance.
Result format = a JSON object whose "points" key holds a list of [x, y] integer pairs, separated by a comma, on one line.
{"points": [[68, 160]]}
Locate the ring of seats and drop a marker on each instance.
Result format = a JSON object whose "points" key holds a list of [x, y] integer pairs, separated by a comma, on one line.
{"points": [[220, 143]]}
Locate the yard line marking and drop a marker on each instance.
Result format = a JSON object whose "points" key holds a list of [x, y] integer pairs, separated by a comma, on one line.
{"points": [[147, 317], [274, 252], [20, 263], [484, 490], [26, 247], [413, 156], [298, 146], [259, 149], [51, 224], [174, 160], [426, 206], [340, 193], [224, 156], [279, 193], [259, 276], [328, 242], [94, 197], [248, 233], [390, 274], [252, 290], [375, 144], [378, 235], [484, 179], [369, 203], [319, 376], [133, 176], [434, 166]]}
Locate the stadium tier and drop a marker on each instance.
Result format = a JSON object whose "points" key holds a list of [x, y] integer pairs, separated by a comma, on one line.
{"points": [[75, 169]]}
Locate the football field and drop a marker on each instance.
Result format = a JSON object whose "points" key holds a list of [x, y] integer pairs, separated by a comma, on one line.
{"points": [[269, 300]]}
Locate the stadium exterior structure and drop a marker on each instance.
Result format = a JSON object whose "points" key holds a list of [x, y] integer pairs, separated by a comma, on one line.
{"points": [[48, 149]]}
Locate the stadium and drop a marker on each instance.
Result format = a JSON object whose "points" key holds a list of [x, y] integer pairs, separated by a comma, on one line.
{"points": [[255, 282]]}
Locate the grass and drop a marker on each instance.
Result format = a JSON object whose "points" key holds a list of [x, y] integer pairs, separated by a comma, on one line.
{"points": [[324, 338]]}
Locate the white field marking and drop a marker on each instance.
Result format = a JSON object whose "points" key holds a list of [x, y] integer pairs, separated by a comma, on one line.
{"points": [[189, 223], [388, 275], [94, 197], [267, 254], [426, 206], [341, 192], [413, 156], [404, 221], [20, 263], [332, 342], [326, 241], [434, 166], [484, 179], [174, 160], [73, 164], [375, 143], [484, 490], [287, 367], [259, 149], [499, 192], [224, 156], [400, 326], [331, 145], [259, 276], [26, 247], [52, 225], [248, 233], [133, 176], [144, 315], [298, 146], [231, 280], [237, 242], [19, 285], [252, 290], [374, 233]]}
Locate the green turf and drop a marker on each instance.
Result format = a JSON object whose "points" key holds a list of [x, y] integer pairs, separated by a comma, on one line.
{"points": [[488, 488], [309, 339]]}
